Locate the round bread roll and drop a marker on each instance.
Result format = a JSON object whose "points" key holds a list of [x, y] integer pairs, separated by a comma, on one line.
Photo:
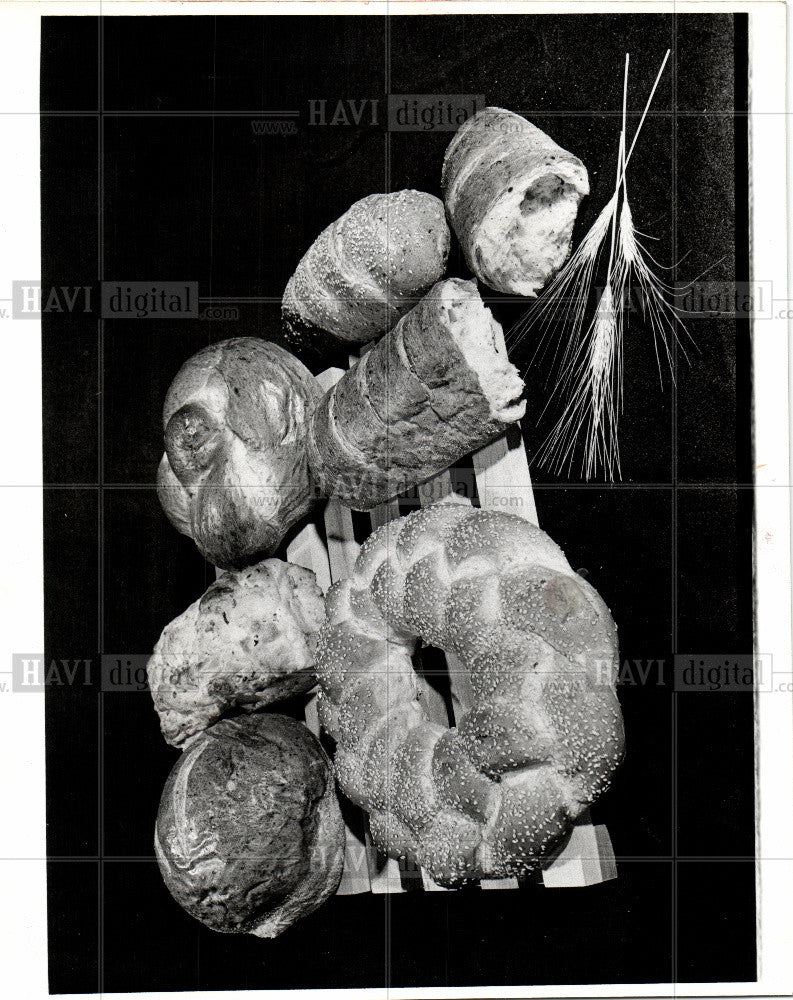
{"points": [[368, 268], [512, 195], [249, 835], [234, 476], [248, 641]]}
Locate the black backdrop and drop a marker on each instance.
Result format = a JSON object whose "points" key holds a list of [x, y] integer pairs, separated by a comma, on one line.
{"points": [[151, 170]]}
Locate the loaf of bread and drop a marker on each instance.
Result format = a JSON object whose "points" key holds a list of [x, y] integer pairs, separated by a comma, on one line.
{"points": [[433, 389], [249, 641], [234, 476], [249, 835], [512, 196], [493, 796], [368, 268]]}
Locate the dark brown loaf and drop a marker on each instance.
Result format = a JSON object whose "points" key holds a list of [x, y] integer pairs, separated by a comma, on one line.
{"points": [[249, 641], [512, 195], [494, 796], [234, 476], [368, 268], [249, 835], [433, 389]]}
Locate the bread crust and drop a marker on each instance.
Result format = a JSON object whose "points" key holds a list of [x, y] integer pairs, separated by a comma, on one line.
{"points": [[367, 269], [234, 475], [249, 641], [496, 795], [494, 154], [408, 409], [249, 834]]}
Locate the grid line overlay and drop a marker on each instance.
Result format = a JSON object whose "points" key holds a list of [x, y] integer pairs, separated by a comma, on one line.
{"points": [[673, 812], [674, 487], [101, 460]]}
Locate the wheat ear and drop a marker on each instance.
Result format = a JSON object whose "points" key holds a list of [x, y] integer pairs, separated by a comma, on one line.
{"points": [[590, 362]]}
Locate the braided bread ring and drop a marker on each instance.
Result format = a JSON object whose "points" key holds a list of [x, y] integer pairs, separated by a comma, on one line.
{"points": [[493, 796]]}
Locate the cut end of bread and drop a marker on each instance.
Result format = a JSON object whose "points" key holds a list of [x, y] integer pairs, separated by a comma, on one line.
{"points": [[480, 339], [525, 237]]}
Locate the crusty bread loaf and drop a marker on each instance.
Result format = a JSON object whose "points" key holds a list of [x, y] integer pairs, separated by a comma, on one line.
{"points": [[494, 796], [234, 475], [433, 389], [249, 835], [512, 196], [248, 641], [368, 268]]}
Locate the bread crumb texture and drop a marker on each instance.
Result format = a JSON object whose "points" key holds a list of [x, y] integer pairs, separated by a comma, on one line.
{"points": [[512, 195], [435, 388]]}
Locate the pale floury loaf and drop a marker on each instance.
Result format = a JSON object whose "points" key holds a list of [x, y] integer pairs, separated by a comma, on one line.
{"points": [[512, 195], [368, 268], [248, 641]]}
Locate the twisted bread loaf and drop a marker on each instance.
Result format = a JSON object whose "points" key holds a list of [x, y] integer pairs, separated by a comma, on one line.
{"points": [[435, 388], [494, 795], [512, 196], [234, 475], [368, 268]]}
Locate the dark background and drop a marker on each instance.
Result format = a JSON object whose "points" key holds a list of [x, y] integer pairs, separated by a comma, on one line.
{"points": [[151, 171]]}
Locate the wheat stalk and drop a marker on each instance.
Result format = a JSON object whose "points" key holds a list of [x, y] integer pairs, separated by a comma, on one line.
{"points": [[595, 398], [588, 361]]}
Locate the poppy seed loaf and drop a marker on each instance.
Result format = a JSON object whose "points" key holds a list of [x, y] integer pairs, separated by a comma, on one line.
{"points": [[368, 268], [248, 641], [493, 796]]}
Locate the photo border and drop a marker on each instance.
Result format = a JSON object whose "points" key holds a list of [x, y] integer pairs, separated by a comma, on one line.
{"points": [[23, 850]]}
